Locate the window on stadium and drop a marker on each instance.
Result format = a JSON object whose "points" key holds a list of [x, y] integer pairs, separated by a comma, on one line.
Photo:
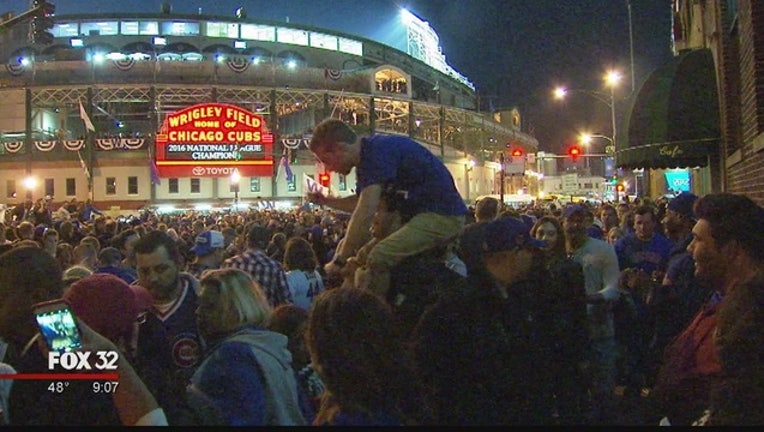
{"points": [[10, 188], [258, 32], [134, 28], [50, 187], [102, 28], [292, 36], [71, 187], [64, 30], [180, 28], [132, 185], [173, 185], [350, 46], [325, 41], [111, 186], [224, 30], [196, 185]]}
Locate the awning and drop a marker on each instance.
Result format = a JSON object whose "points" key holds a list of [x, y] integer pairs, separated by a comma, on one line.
{"points": [[673, 122]]}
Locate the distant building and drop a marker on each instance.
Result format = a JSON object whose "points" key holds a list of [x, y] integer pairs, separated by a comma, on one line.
{"points": [[711, 135], [128, 74]]}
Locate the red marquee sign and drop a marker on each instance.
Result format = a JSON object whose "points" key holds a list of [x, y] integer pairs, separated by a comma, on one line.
{"points": [[211, 140]]}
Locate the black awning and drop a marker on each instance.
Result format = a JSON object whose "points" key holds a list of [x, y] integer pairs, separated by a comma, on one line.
{"points": [[673, 122]]}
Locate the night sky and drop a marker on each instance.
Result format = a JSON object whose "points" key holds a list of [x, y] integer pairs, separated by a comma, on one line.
{"points": [[514, 51]]}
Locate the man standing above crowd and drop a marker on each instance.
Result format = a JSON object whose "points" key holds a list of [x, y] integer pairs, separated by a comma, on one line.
{"points": [[169, 345], [420, 179]]}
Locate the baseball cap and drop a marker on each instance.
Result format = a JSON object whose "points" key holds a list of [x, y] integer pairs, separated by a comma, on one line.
{"points": [[506, 234], [683, 203], [108, 304], [207, 241]]}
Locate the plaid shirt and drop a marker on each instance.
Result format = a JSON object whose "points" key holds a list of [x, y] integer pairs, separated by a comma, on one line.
{"points": [[267, 272]]}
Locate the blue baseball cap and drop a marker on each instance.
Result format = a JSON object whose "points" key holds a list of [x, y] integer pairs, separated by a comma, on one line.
{"points": [[506, 234], [207, 241], [683, 203]]}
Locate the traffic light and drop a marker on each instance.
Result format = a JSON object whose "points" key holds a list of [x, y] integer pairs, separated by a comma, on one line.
{"points": [[620, 187], [574, 152], [42, 22], [324, 179], [517, 153]]}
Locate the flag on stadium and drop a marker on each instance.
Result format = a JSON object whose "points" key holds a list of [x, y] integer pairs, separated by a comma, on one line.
{"points": [[287, 169], [84, 165], [86, 118], [311, 185], [153, 169]]}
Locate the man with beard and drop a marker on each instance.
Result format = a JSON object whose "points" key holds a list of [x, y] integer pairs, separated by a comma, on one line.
{"points": [[727, 249], [677, 299], [169, 346], [601, 273]]}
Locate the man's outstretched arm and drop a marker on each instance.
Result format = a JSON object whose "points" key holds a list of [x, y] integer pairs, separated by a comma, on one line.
{"points": [[358, 228]]}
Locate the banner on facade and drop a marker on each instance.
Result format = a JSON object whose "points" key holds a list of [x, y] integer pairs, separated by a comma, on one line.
{"points": [[213, 139]]}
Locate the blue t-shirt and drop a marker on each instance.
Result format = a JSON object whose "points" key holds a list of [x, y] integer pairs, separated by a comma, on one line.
{"points": [[648, 256], [413, 170]]}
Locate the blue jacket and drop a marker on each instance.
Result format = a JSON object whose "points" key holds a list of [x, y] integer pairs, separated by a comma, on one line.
{"points": [[247, 379]]}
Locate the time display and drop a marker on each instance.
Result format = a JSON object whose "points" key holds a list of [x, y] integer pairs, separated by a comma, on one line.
{"points": [[107, 387]]}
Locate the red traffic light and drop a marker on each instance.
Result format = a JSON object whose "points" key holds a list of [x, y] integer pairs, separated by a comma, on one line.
{"points": [[517, 152], [574, 152], [324, 179]]}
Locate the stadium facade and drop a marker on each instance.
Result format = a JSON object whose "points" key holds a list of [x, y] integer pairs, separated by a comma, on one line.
{"points": [[160, 109]]}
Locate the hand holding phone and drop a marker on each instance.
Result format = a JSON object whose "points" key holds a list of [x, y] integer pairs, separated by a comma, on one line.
{"points": [[57, 325]]}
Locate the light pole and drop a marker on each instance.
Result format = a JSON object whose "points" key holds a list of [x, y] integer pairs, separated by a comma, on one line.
{"points": [[235, 179], [586, 139], [30, 183], [611, 79]]}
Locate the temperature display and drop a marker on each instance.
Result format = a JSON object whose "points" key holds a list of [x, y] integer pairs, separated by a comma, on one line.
{"points": [[58, 386]]}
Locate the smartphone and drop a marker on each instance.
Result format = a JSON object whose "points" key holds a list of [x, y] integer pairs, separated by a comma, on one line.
{"points": [[57, 326]]}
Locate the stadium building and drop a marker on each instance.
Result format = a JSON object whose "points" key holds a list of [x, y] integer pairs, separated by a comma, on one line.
{"points": [[197, 111]]}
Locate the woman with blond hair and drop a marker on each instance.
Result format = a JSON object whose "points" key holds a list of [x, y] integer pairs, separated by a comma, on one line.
{"points": [[247, 376]]}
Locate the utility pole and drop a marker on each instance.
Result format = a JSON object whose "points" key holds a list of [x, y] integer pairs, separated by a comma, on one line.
{"points": [[501, 177], [631, 47]]}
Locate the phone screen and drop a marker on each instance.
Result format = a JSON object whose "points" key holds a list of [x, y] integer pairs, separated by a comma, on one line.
{"points": [[57, 325]]}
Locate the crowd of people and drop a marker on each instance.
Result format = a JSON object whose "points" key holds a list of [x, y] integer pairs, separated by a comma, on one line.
{"points": [[398, 306]]}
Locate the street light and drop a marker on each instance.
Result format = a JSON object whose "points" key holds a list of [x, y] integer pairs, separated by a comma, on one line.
{"points": [[235, 179], [29, 184], [612, 78], [586, 140]]}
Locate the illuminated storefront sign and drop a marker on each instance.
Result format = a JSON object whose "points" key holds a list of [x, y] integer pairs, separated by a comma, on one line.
{"points": [[210, 140], [678, 181]]}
